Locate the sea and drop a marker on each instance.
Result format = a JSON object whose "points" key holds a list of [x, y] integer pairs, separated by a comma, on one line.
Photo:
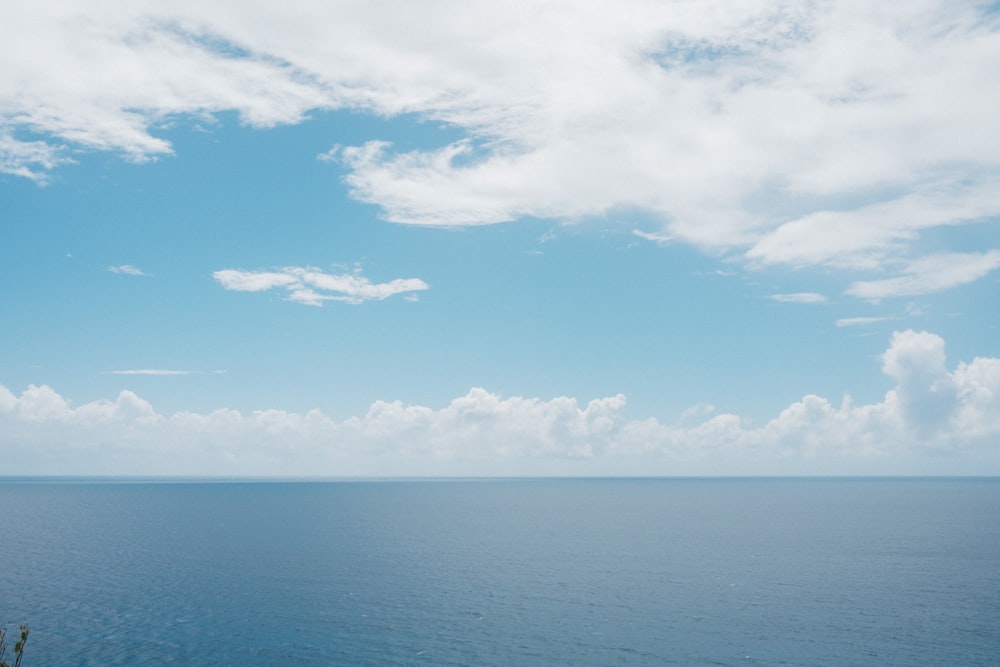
{"points": [[713, 571]]}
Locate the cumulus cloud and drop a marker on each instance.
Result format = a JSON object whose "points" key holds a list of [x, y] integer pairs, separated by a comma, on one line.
{"points": [[926, 391], [313, 287], [800, 134], [934, 420]]}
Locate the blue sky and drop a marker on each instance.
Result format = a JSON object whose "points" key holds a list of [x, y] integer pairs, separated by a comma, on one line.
{"points": [[596, 239]]}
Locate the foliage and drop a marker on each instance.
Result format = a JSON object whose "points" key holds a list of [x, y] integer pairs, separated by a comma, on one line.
{"points": [[18, 647]]}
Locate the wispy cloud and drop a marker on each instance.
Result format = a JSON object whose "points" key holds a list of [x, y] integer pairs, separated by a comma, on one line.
{"points": [[29, 159], [828, 134], [313, 287], [331, 155], [799, 297], [935, 273], [858, 321], [863, 237], [128, 270], [160, 371], [655, 237]]}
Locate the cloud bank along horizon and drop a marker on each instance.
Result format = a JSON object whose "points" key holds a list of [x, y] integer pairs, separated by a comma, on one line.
{"points": [[950, 418], [727, 184]]}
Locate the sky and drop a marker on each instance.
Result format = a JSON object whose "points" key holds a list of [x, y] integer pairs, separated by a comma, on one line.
{"points": [[470, 238]]}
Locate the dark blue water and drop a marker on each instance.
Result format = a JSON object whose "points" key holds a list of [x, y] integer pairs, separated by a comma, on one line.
{"points": [[513, 572]]}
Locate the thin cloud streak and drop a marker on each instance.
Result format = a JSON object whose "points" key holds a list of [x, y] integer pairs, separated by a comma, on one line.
{"points": [[656, 237], [128, 270], [160, 371], [799, 297], [858, 321], [934, 273], [313, 287]]}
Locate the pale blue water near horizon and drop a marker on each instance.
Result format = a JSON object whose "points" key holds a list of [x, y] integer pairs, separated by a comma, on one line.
{"points": [[504, 572]]}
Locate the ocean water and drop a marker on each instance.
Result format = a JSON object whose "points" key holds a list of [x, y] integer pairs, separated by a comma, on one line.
{"points": [[504, 572]]}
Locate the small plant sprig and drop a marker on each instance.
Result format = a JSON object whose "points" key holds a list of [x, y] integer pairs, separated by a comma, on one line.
{"points": [[18, 647]]}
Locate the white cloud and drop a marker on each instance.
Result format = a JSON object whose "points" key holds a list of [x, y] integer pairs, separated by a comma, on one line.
{"points": [[935, 273], [312, 287], [39, 404], [332, 155], [128, 270], [158, 371], [253, 281], [934, 421], [656, 237], [863, 237], [927, 392], [804, 134], [799, 297], [858, 321], [29, 159]]}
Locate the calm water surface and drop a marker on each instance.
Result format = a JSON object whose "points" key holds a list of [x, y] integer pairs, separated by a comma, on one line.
{"points": [[504, 572]]}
